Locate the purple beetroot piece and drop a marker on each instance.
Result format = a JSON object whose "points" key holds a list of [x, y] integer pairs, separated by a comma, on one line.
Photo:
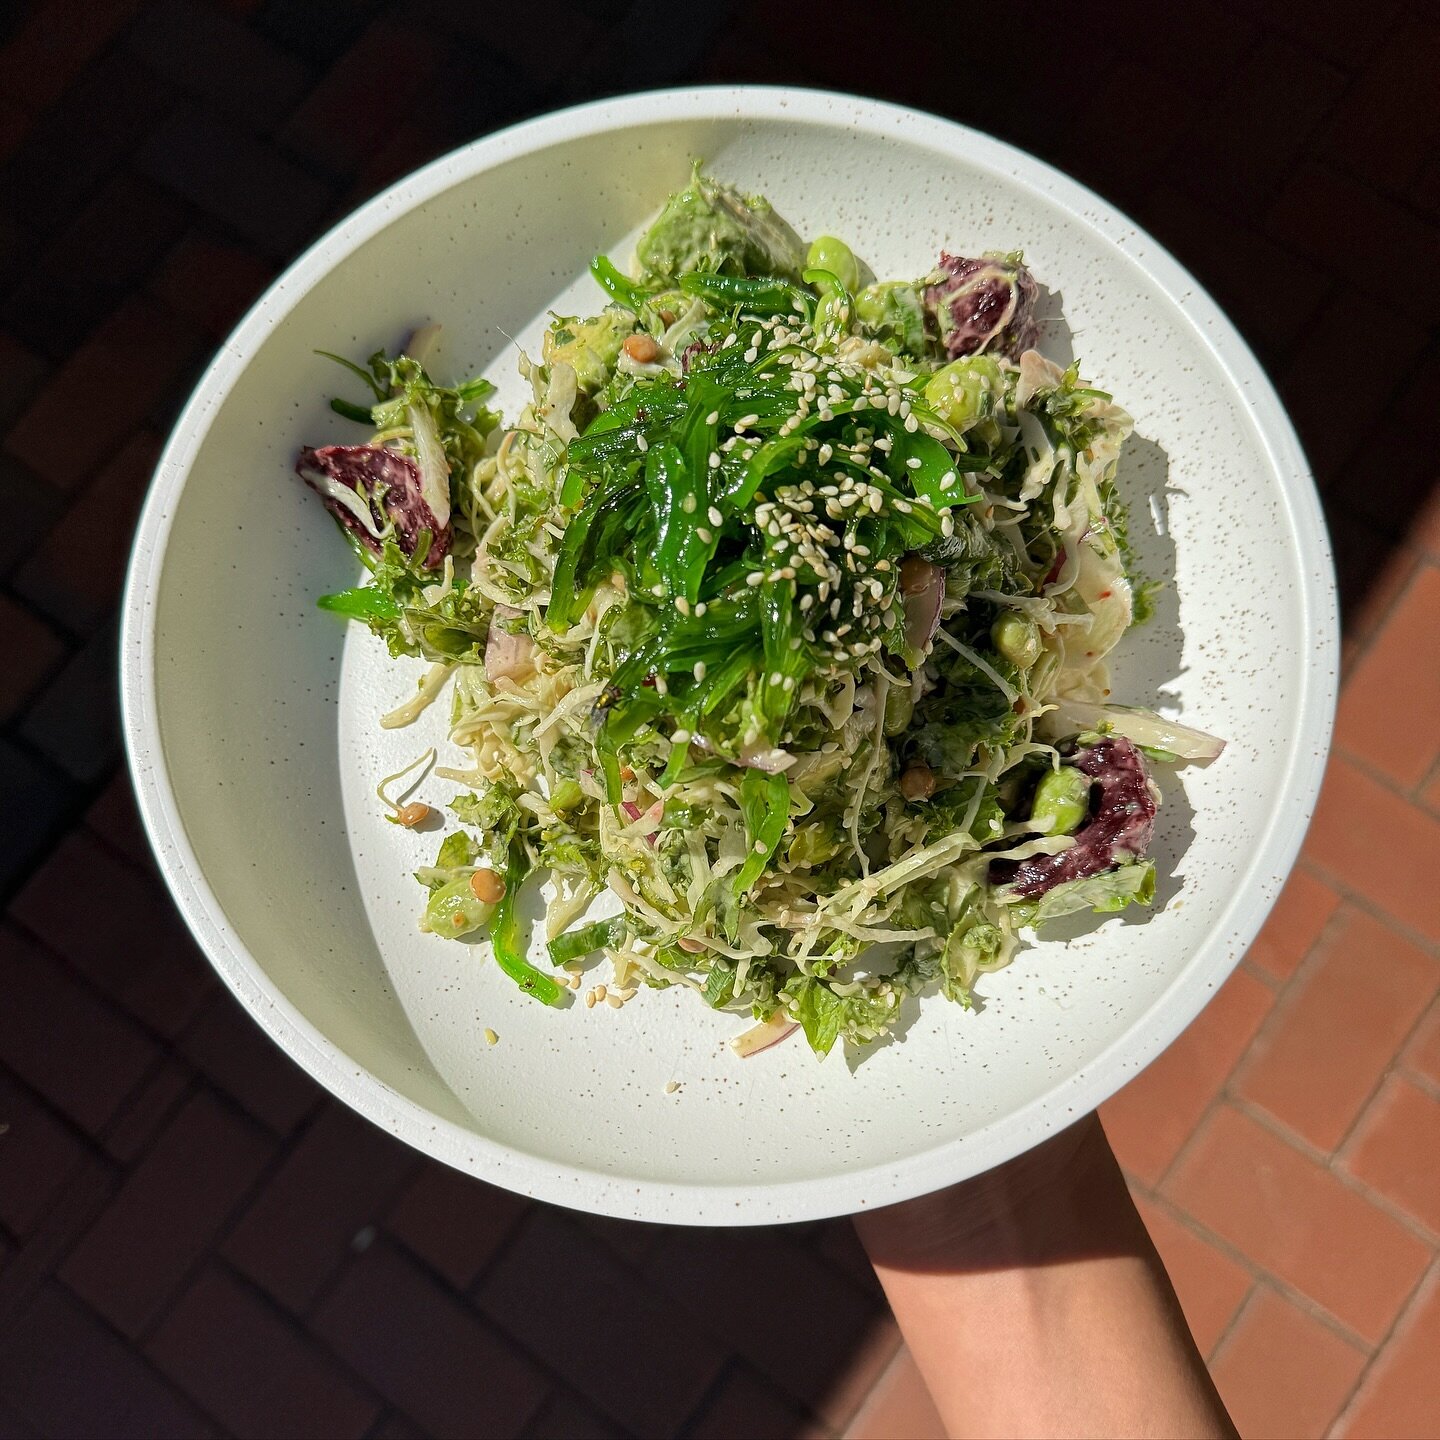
{"points": [[982, 304], [1122, 819], [387, 486]]}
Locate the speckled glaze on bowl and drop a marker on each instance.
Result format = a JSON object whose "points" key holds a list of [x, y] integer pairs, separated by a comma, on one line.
{"points": [[250, 716]]}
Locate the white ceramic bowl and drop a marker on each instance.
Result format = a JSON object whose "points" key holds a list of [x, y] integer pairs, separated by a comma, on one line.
{"points": [[250, 716]]}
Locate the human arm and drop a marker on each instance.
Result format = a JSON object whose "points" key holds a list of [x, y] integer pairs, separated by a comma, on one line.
{"points": [[1034, 1302]]}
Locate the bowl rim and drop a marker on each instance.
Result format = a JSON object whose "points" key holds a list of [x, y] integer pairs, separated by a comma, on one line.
{"points": [[753, 1203]]}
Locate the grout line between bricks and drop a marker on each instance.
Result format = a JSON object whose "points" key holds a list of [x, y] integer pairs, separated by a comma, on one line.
{"points": [[137, 1350], [1313, 1153], [1223, 1338], [1256, 1271], [1283, 990], [1362, 902], [1393, 1067], [1382, 1348]]}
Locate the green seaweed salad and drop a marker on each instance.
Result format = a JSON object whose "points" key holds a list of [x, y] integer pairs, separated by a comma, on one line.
{"points": [[774, 627]]}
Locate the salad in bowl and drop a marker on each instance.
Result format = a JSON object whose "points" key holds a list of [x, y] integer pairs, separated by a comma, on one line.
{"points": [[774, 628]]}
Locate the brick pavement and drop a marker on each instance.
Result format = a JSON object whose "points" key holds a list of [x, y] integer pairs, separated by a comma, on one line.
{"points": [[193, 1239]]}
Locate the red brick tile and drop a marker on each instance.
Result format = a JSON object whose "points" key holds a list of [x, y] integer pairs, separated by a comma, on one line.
{"points": [[1386, 583], [1360, 834], [338, 1178], [230, 66], [54, 44], [394, 1426], [553, 1283], [40, 800], [30, 505], [712, 1275], [899, 1408], [34, 652], [1301, 912], [1392, 484], [104, 251], [426, 1353], [126, 938], [114, 817], [744, 1404], [1368, 724], [1399, 1396], [1253, 132], [171, 1210], [78, 145], [1422, 1055], [63, 444], [566, 1414], [103, 1055], [1306, 383], [210, 282], [1294, 1218], [454, 1223], [76, 574], [74, 721], [244, 1062], [252, 1369], [1380, 130], [1206, 240], [1331, 218], [148, 1111], [38, 1156], [1211, 1286], [1283, 1374], [1396, 1150], [1153, 1116], [68, 1375], [14, 124], [258, 192], [1338, 1028], [389, 55], [22, 372], [1425, 533]]}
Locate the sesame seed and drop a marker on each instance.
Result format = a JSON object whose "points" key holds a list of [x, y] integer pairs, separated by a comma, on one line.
{"points": [[714, 516], [714, 459], [751, 355], [598, 992], [662, 686], [911, 424], [754, 577], [701, 607], [614, 1001], [490, 1036], [589, 999], [706, 536], [641, 444], [671, 1086], [913, 463], [712, 417], [688, 504], [759, 844], [699, 669], [681, 736], [682, 604]]}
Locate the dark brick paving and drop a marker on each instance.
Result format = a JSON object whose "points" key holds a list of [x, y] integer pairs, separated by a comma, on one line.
{"points": [[193, 1239]]}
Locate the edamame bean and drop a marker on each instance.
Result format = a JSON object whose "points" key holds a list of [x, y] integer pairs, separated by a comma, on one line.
{"points": [[455, 909], [828, 253], [1062, 801], [1016, 638], [957, 392]]}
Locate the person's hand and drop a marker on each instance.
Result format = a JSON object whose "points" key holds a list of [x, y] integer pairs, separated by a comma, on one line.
{"points": [[1034, 1303]]}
